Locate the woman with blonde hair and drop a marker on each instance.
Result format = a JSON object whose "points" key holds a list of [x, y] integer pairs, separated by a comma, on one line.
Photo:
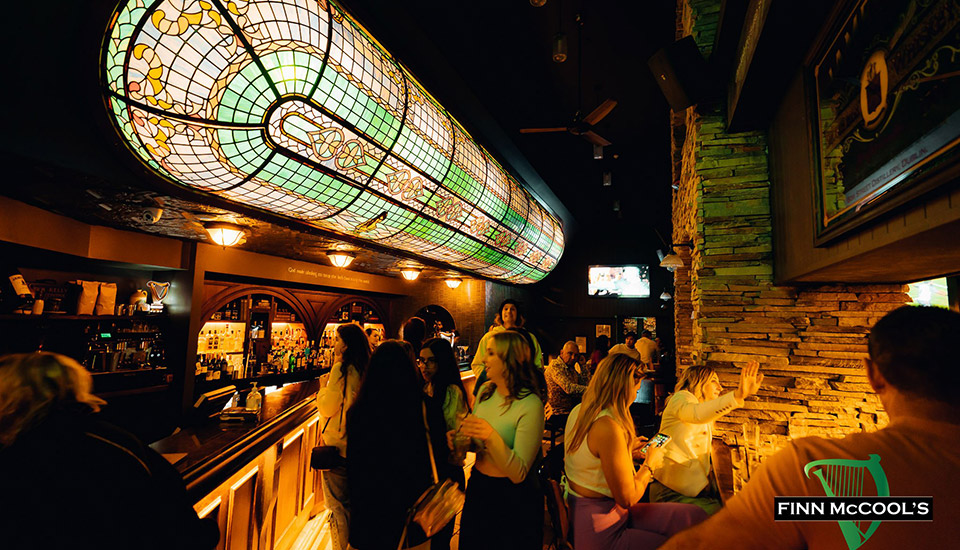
{"points": [[603, 487], [688, 420], [55, 454], [504, 506]]}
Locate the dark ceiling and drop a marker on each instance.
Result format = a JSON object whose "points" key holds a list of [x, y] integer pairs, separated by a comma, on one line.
{"points": [[488, 63]]}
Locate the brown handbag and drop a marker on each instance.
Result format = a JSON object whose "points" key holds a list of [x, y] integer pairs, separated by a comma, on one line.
{"points": [[438, 505]]}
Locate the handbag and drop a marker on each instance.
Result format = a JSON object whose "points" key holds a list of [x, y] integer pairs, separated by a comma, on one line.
{"points": [[327, 457], [438, 505]]}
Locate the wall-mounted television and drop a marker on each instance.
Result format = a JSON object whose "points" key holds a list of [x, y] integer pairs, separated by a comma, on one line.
{"points": [[619, 281]]}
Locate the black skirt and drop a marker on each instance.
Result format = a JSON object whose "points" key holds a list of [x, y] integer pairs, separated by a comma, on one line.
{"points": [[501, 514]]}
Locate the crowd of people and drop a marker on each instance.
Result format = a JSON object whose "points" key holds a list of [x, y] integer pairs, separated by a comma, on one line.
{"points": [[405, 399]]}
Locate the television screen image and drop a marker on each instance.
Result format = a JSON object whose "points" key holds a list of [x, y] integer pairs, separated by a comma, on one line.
{"points": [[623, 281]]}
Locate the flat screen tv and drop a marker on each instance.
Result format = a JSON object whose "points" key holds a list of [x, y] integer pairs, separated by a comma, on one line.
{"points": [[619, 281]]}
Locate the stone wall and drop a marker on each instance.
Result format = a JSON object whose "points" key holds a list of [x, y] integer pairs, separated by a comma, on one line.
{"points": [[809, 340]]}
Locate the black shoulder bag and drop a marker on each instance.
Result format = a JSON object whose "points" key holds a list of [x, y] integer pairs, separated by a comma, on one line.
{"points": [[327, 457]]}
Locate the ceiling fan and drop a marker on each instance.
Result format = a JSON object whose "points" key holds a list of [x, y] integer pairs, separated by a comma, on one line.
{"points": [[582, 125]]}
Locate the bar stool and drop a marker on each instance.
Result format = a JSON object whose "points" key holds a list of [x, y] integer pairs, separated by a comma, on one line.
{"points": [[554, 423]]}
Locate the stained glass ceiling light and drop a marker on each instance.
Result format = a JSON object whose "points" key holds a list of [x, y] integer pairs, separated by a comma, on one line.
{"points": [[291, 107]]}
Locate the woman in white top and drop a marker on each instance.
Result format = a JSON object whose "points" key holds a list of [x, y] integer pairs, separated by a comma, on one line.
{"points": [[603, 486], [504, 506], [351, 350], [688, 420]]}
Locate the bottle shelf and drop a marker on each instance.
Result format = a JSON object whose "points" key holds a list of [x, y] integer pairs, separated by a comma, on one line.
{"points": [[271, 379], [65, 317]]}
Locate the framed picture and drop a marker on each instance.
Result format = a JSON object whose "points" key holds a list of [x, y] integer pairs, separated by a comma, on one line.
{"points": [[884, 85], [604, 330], [582, 344]]}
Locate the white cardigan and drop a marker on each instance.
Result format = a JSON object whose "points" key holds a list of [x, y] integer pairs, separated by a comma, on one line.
{"points": [[686, 458]]}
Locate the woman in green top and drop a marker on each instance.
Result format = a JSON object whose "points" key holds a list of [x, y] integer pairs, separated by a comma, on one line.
{"points": [[504, 506], [446, 401]]}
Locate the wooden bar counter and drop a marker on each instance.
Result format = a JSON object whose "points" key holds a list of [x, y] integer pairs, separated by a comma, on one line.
{"points": [[255, 478]]}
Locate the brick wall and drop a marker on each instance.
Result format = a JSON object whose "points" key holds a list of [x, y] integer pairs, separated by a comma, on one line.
{"points": [[809, 340]]}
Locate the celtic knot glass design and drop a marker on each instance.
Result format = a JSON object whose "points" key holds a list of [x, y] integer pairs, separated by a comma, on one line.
{"points": [[290, 106]]}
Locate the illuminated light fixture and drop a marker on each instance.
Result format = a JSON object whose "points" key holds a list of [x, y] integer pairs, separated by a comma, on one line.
{"points": [[453, 282], [671, 262], [410, 273], [559, 48], [340, 259], [298, 111], [224, 234], [597, 152], [538, 3], [665, 296]]}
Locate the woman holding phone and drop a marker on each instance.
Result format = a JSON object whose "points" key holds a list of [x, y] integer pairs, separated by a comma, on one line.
{"points": [[504, 506], [688, 419], [603, 487]]}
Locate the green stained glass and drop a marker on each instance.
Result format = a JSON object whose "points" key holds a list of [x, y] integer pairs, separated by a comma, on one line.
{"points": [[245, 148], [310, 118], [294, 73]]}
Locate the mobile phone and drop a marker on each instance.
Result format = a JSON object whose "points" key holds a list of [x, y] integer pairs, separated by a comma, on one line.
{"points": [[658, 440]]}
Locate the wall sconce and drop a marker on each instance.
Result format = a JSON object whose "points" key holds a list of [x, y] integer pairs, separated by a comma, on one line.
{"points": [[665, 296], [224, 234], [340, 259], [453, 282], [410, 273]]}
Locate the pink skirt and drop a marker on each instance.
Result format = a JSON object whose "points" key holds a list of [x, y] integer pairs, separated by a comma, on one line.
{"points": [[600, 523]]}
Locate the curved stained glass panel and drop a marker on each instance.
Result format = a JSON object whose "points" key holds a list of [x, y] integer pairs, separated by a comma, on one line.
{"points": [[291, 107]]}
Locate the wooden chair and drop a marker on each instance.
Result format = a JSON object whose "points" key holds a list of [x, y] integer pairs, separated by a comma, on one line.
{"points": [[557, 508]]}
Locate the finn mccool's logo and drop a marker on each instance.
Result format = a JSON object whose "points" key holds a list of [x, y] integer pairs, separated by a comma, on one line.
{"points": [[857, 498]]}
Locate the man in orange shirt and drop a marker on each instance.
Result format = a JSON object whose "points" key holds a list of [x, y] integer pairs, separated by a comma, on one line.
{"points": [[913, 368]]}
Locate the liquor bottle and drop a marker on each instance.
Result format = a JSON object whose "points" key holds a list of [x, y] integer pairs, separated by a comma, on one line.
{"points": [[14, 292]]}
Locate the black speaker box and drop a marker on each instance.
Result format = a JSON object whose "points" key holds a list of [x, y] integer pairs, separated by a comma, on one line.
{"points": [[683, 74]]}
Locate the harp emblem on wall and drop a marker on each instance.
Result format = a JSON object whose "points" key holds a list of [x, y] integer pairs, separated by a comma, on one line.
{"points": [[848, 478]]}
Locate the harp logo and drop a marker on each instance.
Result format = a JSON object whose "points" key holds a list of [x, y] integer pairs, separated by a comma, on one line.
{"points": [[847, 478]]}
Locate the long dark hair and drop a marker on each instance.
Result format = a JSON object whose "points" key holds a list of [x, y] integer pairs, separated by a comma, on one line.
{"points": [[357, 353], [448, 374], [414, 331], [391, 385], [522, 377]]}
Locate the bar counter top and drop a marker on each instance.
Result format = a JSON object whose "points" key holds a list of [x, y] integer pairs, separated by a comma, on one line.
{"points": [[212, 451]]}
